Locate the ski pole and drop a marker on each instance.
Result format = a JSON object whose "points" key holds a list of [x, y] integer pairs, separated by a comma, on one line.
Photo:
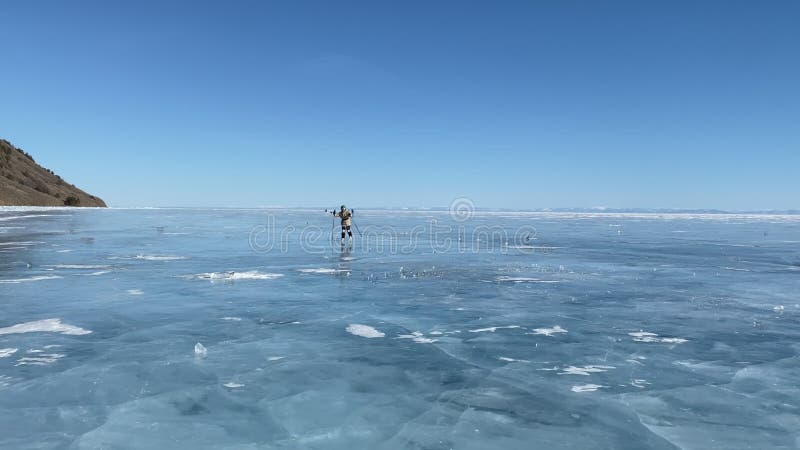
{"points": [[333, 223], [360, 234]]}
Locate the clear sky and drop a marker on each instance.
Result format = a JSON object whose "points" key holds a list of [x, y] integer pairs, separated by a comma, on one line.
{"points": [[517, 104]]}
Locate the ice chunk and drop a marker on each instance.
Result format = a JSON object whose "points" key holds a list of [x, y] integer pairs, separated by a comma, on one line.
{"points": [[200, 350], [6, 352]]}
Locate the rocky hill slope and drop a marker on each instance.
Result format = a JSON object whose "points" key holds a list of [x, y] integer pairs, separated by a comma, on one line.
{"points": [[25, 183]]}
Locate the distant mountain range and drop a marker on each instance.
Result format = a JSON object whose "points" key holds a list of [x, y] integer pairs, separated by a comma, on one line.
{"points": [[25, 183]]}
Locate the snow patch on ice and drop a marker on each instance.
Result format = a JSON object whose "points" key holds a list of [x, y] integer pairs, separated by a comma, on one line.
{"points": [[523, 280], [94, 274], [323, 270], [232, 319], [586, 388], [507, 359], [135, 291], [41, 359], [275, 358], [549, 331], [45, 325], [25, 280], [160, 257], [232, 385], [364, 331], [7, 218], [644, 336], [493, 329], [5, 381], [585, 370], [236, 276], [23, 243], [417, 337]]}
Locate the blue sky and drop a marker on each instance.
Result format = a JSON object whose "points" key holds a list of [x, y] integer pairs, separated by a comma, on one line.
{"points": [[518, 104]]}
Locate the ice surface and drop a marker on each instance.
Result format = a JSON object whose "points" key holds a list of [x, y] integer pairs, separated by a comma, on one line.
{"points": [[681, 331]]}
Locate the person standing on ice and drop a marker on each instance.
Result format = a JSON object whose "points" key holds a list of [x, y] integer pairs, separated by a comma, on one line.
{"points": [[345, 214]]}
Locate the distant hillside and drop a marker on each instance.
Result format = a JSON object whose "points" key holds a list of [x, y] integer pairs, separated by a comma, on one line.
{"points": [[25, 183]]}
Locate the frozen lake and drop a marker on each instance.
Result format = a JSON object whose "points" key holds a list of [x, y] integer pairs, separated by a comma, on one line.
{"points": [[250, 329]]}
